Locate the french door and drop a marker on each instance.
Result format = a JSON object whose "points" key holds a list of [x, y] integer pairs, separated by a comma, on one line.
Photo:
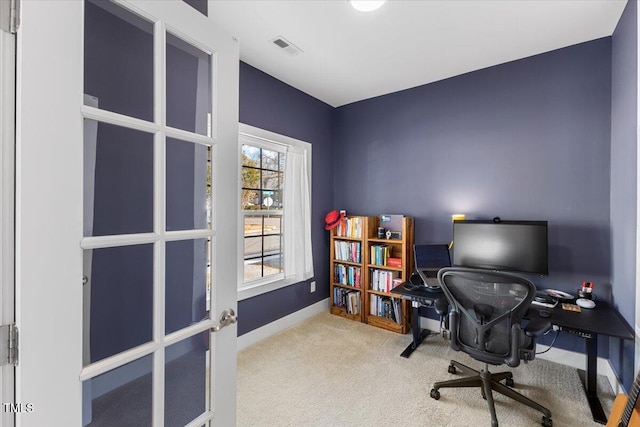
{"points": [[126, 218]]}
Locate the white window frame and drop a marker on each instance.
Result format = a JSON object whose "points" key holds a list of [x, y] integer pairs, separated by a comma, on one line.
{"points": [[272, 141]]}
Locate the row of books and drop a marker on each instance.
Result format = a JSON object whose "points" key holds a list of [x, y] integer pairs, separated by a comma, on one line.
{"points": [[384, 281], [350, 227], [347, 251], [347, 299], [347, 275], [379, 254], [390, 308]]}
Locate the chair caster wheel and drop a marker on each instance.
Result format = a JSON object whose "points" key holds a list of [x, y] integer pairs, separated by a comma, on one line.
{"points": [[452, 369], [509, 382], [435, 394], [547, 422]]}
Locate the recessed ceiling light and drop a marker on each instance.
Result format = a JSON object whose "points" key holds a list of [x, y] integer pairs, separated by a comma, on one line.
{"points": [[366, 5]]}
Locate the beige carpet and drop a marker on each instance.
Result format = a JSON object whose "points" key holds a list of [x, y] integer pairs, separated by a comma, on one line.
{"points": [[329, 371]]}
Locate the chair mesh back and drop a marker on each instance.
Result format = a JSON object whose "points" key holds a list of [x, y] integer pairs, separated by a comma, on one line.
{"points": [[488, 304]]}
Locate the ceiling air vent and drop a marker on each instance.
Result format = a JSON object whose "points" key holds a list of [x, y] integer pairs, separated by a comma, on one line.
{"points": [[286, 46]]}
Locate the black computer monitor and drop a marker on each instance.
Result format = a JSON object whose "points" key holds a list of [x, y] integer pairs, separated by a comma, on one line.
{"points": [[518, 246]]}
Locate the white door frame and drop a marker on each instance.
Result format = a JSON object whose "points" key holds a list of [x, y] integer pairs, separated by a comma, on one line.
{"points": [[49, 210], [7, 168]]}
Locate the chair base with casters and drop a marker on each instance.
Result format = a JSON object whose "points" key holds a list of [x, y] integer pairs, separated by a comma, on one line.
{"points": [[488, 382]]}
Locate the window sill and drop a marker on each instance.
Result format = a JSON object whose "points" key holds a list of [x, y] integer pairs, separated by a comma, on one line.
{"points": [[251, 290]]}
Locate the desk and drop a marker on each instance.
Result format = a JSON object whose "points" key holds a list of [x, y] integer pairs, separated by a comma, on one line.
{"points": [[588, 324], [418, 298]]}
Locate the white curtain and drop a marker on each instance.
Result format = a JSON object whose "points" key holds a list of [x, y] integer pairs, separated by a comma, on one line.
{"points": [[298, 259]]}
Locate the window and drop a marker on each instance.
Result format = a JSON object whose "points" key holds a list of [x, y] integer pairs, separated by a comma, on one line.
{"points": [[262, 185], [271, 224]]}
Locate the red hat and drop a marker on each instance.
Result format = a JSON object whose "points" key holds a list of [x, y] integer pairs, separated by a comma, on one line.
{"points": [[332, 219]]}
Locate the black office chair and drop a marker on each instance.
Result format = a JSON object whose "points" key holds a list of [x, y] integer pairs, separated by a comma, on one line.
{"points": [[486, 311]]}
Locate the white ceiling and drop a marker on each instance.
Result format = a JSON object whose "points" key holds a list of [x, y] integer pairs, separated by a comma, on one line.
{"points": [[349, 55]]}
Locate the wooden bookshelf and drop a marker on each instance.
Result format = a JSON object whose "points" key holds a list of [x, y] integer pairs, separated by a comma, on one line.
{"points": [[366, 285], [378, 271], [347, 271]]}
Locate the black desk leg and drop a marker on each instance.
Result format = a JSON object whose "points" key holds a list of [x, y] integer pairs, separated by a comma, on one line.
{"points": [[588, 379], [418, 334]]}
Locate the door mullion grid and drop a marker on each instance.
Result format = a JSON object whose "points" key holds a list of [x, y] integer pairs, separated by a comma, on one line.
{"points": [[117, 360], [110, 241], [202, 420], [188, 136], [158, 384], [117, 119]]}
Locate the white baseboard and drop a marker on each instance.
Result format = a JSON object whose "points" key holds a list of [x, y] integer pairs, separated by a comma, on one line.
{"points": [[564, 357], [281, 324]]}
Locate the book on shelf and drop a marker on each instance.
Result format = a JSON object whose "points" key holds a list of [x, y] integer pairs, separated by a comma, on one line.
{"points": [[394, 262], [383, 280], [389, 308], [397, 310], [348, 275], [347, 251], [350, 227], [347, 299], [380, 254]]}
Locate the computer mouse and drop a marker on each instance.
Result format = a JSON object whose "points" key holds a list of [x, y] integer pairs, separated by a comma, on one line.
{"points": [[544, 313]]}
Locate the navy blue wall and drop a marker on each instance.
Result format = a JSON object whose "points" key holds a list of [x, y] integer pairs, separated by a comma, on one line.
{"points": [[624, 122], [526, 140], [272, 105]]}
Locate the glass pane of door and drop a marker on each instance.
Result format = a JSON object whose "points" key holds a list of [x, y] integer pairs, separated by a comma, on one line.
{"points": [[118, 303], [188, 185], [118, 59], [188, 86], [186, 380], [186, 278], [118, 180], [120, 397]]}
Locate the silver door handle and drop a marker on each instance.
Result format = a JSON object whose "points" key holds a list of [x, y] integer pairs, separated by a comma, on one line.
{"points": [[227, 318]]}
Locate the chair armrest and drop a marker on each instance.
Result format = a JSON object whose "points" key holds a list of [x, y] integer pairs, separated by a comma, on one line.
{"points": [[537, 327]]}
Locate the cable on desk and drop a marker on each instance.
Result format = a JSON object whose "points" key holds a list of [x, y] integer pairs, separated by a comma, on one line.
{"points": [[552, 342], [413, 287]]}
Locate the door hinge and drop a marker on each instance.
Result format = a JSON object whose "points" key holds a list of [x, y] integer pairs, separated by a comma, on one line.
{"points": [[10, 16], [9, 345]]}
